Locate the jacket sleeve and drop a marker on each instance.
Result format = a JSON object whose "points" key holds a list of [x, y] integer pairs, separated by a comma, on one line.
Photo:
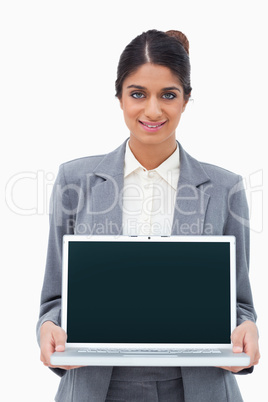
{"points": [[61, 216], [237, 224]]}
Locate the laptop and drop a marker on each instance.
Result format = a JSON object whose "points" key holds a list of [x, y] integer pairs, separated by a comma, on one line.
{"points": [[149, 301]]}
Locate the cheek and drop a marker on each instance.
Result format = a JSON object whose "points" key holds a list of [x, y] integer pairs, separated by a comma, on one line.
{"points": [[175, 113], [130, 110]]}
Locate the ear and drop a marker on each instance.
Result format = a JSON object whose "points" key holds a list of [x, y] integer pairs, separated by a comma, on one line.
{"points": [[121, 102], [184, 106], [185, 103]]}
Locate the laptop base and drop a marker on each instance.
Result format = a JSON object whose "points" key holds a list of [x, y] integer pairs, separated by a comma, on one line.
{"points": [[84, 358]]}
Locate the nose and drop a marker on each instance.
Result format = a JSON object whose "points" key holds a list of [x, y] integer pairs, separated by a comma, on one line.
{"points": [[153, 109]]}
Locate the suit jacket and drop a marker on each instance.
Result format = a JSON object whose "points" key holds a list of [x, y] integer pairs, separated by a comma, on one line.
{"points": [[86, 200]]}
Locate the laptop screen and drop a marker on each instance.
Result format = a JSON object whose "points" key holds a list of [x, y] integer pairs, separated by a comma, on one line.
{"points": [[148, 292]]}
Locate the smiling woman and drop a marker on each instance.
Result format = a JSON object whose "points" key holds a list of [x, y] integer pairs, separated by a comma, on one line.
{"points": [[153, 86], [148, 186]]}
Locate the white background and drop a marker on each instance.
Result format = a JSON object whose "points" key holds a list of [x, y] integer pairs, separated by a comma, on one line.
{"points": [[58, 67]]}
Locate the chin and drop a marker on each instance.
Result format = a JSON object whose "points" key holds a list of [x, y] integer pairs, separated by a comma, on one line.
{"points": [[152, 138]]}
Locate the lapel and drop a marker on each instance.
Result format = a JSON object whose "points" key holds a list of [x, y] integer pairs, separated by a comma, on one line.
{"points": [[191, 199], [106, 195]]}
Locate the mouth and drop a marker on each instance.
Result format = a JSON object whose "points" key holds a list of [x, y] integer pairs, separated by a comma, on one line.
{"points": [[150, 126]]}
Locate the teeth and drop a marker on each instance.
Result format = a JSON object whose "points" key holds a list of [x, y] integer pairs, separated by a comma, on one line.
{"points": [[147, 125]]}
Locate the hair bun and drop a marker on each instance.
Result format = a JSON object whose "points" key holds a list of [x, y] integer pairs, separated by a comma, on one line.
{"points": [[181, 38]]}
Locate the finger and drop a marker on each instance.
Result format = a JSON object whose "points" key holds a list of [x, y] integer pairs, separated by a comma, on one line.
{"points": [[237, 349], [233, 369], [227, 368], [237, 338], [53, 339], [46, 351], [46, 342], [60, 339], [69, 367], [252, 349], [63, 367], [246, 336], [236, 369], [255, 359]]}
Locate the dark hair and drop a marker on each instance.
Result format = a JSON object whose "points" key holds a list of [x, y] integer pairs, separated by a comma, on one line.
{"points": [[169, 49]]}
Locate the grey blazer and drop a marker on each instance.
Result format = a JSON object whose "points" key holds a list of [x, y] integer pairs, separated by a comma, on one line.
{"points": [[86, 200]]}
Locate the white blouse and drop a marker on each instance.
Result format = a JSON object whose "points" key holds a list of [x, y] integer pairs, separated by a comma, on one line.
{"points": [[149, 196]]}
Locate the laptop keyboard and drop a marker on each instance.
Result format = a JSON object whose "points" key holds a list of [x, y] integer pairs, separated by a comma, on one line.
{"points": [[150, 351]]}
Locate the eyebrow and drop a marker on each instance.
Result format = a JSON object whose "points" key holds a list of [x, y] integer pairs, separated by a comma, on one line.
{"points": [[163, 89]]}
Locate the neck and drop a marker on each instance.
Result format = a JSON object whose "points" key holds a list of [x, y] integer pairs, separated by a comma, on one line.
{"points": [[151, 156]]}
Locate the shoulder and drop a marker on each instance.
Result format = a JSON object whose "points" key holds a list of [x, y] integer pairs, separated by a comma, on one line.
{"points": [[198, 172], [78, 170], [220, 175], [73, 170]]}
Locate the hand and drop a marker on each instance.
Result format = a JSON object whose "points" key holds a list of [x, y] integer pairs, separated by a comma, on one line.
{"points": [[52, 339], [245, 339]]}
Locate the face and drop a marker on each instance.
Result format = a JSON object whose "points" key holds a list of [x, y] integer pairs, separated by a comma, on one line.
{"points": [[152, 101]]}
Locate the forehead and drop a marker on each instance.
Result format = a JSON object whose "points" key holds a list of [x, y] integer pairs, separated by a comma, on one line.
{"points": [[152, 76]]}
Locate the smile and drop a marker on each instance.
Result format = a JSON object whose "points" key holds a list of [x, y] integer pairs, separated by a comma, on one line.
{"points": [[152, 125], [149, 127]]}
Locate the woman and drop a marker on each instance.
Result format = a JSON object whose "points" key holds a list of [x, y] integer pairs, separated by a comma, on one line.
{"points": [[149, 185]]}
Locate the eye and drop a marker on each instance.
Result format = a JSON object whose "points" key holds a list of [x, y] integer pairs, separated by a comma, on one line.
{"points": [[169, 96], [137, 95]]}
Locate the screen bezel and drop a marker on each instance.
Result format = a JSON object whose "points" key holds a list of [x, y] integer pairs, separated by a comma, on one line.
{"points": [[198, 238]]}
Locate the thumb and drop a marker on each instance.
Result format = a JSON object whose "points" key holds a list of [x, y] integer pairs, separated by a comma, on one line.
{"points": [[238, 340], [59, 339], [237, 349]]}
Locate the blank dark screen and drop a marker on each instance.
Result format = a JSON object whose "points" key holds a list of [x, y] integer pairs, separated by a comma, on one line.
{"points": [[148, 292]]}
